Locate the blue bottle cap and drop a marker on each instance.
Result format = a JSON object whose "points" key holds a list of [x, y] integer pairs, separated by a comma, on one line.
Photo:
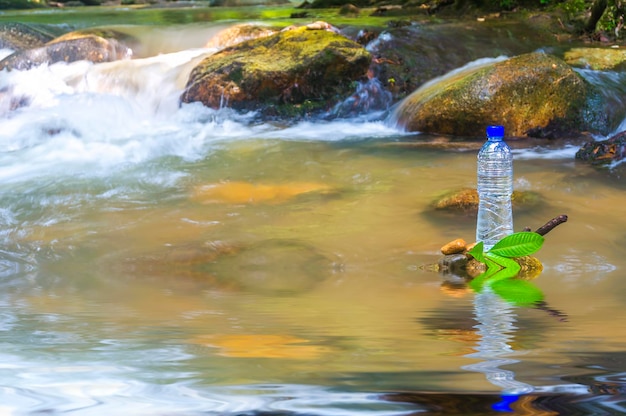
{"points": [[495, 131]]}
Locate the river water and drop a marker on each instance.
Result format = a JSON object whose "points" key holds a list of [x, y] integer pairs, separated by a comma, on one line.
{"points": [[166, 259]]}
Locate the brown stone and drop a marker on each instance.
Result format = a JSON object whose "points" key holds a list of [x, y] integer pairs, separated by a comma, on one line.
{"points": [[453, 247]]}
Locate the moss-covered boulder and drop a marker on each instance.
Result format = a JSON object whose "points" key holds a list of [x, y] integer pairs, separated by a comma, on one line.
{"points": [[598, 59], [604, 152], [526, 94], [465, 201], [281, 74], [68, 49], [408, 53]]}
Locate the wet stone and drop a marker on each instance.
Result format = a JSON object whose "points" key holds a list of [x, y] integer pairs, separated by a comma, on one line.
{"points": [[453, 264], [475, 268], [465, 201], [455, 246]]}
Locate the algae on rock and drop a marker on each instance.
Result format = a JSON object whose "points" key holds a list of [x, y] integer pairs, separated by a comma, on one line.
{"points": [[525, 93], [293, 68]]}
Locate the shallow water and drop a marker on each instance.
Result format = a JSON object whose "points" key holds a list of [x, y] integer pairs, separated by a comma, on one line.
{"points": [[166, 259]]}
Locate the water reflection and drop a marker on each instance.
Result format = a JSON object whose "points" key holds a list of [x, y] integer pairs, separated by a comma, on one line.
{"points": [[496, 326], [498, 291]]}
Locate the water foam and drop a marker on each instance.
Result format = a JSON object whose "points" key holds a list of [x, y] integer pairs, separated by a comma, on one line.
{"points": [[95, 119]]}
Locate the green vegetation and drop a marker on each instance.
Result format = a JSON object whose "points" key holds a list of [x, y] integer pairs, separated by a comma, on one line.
{"points": [[22, 4], [512, 246], [586, 16], [502, 268]]}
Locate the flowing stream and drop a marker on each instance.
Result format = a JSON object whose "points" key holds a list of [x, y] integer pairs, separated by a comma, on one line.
{"points": [[159, 258]]}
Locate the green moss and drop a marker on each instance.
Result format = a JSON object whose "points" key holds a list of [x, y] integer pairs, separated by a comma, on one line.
{"points": [[524, 92], [286, 68], [598, 59]]}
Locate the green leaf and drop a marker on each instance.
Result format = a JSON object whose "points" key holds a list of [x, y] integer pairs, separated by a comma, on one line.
{"points": [[518, 244], [511, 266], [477, 252], [517, 292], [479, 281], [494, 272]]}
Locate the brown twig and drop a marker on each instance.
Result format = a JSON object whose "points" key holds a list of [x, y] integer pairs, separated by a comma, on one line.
{"points": [[547, 227], [550, 225]]}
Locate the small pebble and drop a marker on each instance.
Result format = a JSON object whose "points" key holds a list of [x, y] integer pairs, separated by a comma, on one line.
{"points": [[454, 247]]}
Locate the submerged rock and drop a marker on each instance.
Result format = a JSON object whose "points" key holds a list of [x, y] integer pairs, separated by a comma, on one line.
{"points": [[261, 346], [236, 192], [530, 91], [273, 266], [276, 266], [465, 201], [286, 73], [530, 267], [68, 49]]}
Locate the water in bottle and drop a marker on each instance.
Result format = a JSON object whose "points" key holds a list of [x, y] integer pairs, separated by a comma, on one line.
{"points": [[495, 187]]}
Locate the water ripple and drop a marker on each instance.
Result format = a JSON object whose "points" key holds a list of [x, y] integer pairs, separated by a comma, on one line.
{"points": [[100, 395]]}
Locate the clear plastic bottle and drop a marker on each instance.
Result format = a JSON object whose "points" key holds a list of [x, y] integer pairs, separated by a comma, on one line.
{"points": [[495, 187]]}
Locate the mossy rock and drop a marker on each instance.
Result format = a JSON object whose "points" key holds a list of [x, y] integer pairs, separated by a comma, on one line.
{"points": [[286, 71], [465, 266], [465, 201], [527, 92], [530, 267], [598, 59]]}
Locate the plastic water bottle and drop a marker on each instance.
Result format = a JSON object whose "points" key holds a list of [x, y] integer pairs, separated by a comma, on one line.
{"points": [[495, 187]]}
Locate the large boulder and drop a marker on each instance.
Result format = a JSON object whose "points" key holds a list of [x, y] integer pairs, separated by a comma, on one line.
{"points": [[406, 54], [68, 48], [281, 74], [21, 36], [529, 94]]}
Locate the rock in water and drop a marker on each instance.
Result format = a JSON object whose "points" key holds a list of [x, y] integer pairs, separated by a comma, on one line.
{"points": [[604, 151], [236, 192], [293, 69], [89, 47], [530, 91]]}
